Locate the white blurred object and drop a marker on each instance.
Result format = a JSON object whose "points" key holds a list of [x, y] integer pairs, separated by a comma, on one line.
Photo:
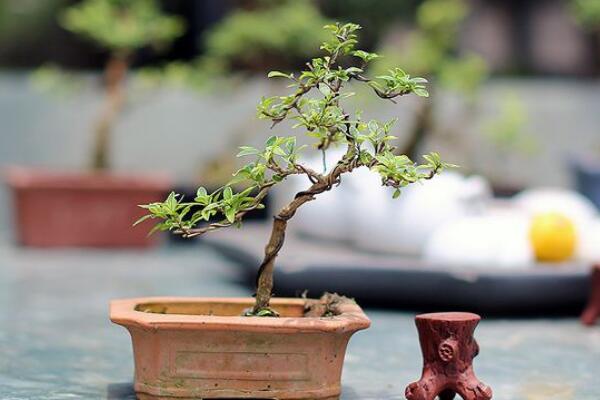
{"points": [[580, 210], [499, 240], [571, 204], [404, 225], [589, 242], [363, 211]]}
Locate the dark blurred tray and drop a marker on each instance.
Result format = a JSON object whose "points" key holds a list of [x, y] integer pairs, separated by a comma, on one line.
{"points": [[407, 283]]}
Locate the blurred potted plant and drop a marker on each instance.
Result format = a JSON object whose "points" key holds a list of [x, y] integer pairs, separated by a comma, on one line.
{"points": [[586, 167], [205, 348], [92, 208]]}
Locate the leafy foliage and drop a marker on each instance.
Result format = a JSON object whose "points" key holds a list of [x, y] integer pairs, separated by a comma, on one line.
{"points": [[587, 13], [274, 33], [51, 79], [322, 117], [280, 31], [122, 25], [432, 48]]}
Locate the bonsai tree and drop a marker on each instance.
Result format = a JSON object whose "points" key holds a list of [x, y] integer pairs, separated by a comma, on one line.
{"points": [[122, 27], [316, 106]]}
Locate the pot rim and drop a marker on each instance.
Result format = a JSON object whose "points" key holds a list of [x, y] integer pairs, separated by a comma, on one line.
{"points": [[51, 178], [123, 312]]}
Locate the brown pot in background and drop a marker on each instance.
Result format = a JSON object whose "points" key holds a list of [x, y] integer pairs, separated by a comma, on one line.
{"points": [[55, 209], [203, 348]]}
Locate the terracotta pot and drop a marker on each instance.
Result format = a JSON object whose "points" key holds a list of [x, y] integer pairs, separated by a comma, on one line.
{"points": [[55, 209], [202, 348]]}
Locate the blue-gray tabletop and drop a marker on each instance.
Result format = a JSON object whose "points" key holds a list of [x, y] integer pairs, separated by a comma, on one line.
{"points": [[56, 341]]}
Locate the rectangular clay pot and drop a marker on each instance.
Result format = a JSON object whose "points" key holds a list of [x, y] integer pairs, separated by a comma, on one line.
{"points": [[203, 348], [56, 209]]}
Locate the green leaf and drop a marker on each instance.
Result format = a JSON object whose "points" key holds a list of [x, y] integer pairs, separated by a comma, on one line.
{"points": [[365, 56], [278, 74], [237, 178], [279, 151], [230, 215], [247, 151], [171, 202], [324, 89], [271, 141], [201, 192], [161, 226], [396, 194], [144, 218], [421, 92]]}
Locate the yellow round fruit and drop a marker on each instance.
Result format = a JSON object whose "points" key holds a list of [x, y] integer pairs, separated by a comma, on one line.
{"points": [[553, 237]]}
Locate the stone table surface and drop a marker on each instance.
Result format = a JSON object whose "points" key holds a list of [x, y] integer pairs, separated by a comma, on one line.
{"points": [[56, 341]]}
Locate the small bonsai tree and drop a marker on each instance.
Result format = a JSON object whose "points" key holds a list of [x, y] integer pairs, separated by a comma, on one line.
{"points": [[121, 27], [323, 118]]}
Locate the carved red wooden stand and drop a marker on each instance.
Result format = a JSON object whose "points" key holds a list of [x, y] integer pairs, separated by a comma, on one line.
{"points": [[592, 311], [448, 349]]}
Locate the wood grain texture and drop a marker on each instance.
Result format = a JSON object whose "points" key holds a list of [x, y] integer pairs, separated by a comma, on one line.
{"points": [[448, 349]]}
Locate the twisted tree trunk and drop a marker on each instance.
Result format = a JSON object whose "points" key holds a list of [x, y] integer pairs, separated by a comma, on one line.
{"points": [[264, 281], [114, 79]]}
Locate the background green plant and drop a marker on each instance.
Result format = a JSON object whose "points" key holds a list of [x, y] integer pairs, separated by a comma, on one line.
{"points": [[122, 27], [277, 35], [272, 34], [587, 13]]}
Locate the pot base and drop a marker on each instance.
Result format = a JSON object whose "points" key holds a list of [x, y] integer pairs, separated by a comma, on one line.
{"points": [[144, 396]]}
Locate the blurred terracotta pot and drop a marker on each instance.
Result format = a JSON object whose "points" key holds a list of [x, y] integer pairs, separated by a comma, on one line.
{"points": [[56, 209], [203, 348]]}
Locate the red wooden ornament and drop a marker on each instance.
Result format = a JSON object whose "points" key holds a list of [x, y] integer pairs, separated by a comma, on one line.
{"points": [[592, 310], [448, 349]]}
